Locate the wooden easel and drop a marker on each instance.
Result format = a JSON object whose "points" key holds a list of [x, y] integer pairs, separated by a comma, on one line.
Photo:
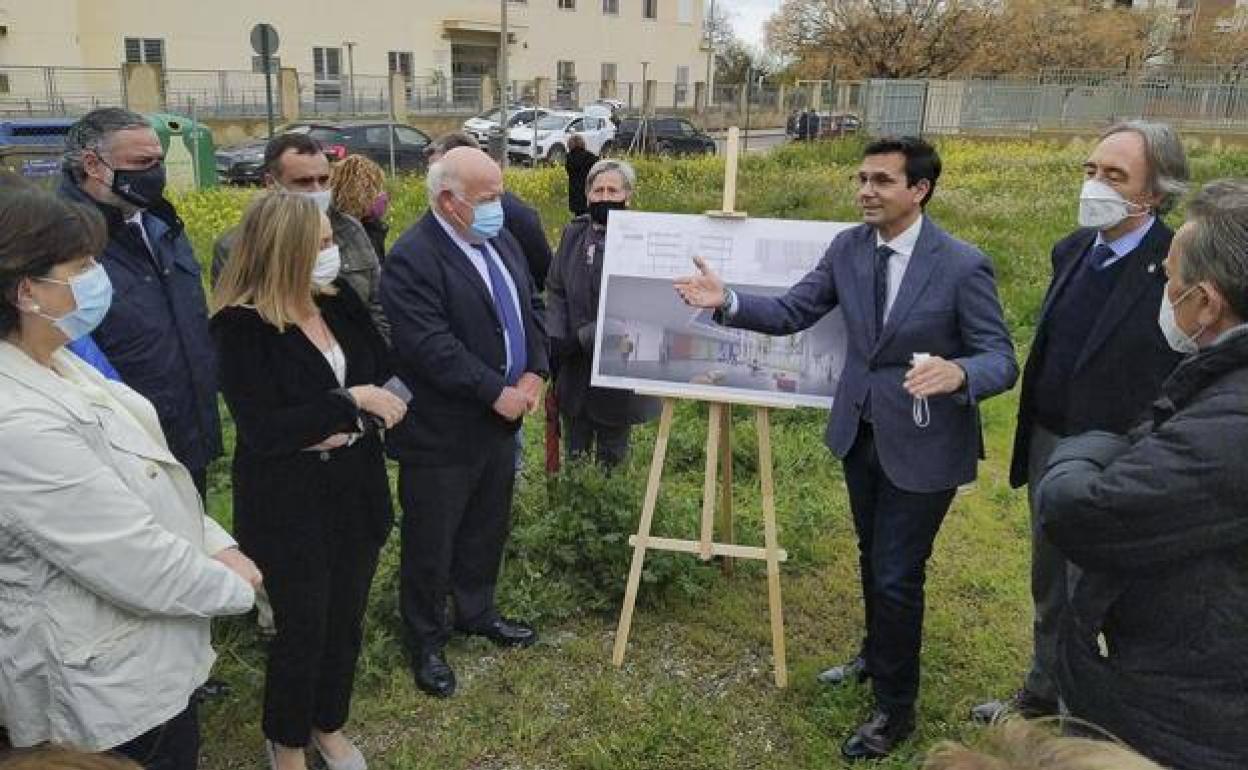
{"points": [[718, 473]]}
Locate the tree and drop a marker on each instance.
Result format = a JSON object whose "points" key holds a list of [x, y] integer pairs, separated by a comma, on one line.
{"points": [[882, 38], [1033, 35]]}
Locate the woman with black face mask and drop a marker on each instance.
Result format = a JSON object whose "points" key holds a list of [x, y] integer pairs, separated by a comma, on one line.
{"points": [[594, 419]]}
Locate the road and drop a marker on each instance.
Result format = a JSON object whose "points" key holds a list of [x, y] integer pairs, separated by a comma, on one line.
{"points": [[760, 140]]}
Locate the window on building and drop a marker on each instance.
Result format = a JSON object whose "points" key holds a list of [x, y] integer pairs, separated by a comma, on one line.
{"points": [[567, 5], [611, 6], [682, 84], [684, 11], [4, 84], [327, 72], [400, 62], [609, 71], [649, 9], [565, 71], [145, 50]]}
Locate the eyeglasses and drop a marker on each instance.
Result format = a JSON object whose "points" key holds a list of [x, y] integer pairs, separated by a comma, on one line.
{"points": [[879, 181]]}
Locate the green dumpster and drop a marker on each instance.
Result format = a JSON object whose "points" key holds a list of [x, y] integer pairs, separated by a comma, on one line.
{"points": [[190, 156]]}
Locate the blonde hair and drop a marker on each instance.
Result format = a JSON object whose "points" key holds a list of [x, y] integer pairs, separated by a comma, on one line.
{"points": [[57, 758], [1017, 744], [357, 181], [270, 266]]}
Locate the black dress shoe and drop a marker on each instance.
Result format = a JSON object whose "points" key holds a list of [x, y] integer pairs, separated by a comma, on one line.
{"points": [[1024, 703], [879, 735], [853, 671], [505, 633], [433, 674]]}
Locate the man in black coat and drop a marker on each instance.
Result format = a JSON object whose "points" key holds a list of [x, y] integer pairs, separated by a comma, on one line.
{"points": [[469, 342], [1154, 645], [577, 165], [156, 332], [1098, 358]]}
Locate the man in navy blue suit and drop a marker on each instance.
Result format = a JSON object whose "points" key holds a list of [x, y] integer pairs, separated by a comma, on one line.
{"points": [[926, 343], [469, 343]]}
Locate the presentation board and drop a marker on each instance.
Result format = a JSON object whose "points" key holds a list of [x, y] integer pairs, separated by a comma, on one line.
{"points": [[649, 341]]}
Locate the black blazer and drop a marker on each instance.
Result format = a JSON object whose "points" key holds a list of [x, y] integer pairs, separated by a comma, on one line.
{"points": [[1125, 358], [577, 164], [448, 344], [525, 225], [284, 397]]}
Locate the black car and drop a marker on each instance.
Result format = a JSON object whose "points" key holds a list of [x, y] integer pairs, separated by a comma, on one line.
{"points": [[243, 164], [809, 124], [664, 136]]}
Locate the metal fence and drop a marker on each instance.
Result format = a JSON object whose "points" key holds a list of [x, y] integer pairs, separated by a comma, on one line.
{"points": [[42, 91], [1200, 98], [219, 93]]}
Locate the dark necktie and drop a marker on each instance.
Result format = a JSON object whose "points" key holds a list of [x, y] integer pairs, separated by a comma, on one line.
{"points": [[136, 231], [1099, 255], [882, 253], [508, 313]]}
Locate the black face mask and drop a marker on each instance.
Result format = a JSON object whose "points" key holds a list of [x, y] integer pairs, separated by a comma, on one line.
{"points": [[141, 187], [598, 210]]}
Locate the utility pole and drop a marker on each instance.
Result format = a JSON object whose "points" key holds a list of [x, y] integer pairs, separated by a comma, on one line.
{"points": [[350, 44], [504, 80], [710, 55]]}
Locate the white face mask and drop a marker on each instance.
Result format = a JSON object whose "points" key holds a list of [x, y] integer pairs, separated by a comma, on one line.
{"points": [[322, 198], [1103, 207], [1178, 339], [328, 265]]}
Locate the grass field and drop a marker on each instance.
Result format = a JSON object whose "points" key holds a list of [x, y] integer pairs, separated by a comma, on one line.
{"points": [[696, 691]]}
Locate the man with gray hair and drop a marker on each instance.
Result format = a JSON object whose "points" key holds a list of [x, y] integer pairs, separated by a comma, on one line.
{"points": [[1098, 358], [156, 332], [1156, 635], [469, 342]]}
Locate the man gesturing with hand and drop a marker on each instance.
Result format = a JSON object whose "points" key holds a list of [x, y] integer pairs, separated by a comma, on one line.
{"points": [[907, 433], [470, 344]]}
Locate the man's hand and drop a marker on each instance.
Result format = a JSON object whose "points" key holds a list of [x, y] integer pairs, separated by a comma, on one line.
{"points": [[702, 290], [531, 386], [240, 565], [511, 403], [934, 377]]}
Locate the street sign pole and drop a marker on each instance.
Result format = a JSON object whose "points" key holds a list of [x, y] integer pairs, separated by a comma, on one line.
{"points": [[264, 41]]}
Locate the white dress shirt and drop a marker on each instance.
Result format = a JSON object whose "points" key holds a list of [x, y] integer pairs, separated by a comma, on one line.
{"points": [[903, 247]]}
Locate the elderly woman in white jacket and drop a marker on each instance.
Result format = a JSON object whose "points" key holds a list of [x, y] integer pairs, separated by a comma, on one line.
{"points": [[109, 570]]}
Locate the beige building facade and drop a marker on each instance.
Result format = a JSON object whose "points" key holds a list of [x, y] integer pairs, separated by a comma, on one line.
{"points": [[562, 40]]}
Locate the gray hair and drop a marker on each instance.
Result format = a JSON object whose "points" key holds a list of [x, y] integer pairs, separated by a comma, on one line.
{"points": [[622, 167], [1167, 162], [1217, 250], [93, 132], [441, 177]]}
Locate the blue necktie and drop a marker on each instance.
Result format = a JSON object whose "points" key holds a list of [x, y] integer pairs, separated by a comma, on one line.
{"points": [[517, 357], [1100, 254]]}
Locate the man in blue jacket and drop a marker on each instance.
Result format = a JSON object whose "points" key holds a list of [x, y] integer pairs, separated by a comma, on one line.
{"points": [[927, 343], [156, 332]]}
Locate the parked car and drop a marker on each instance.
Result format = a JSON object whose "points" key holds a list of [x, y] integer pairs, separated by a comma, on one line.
{"points": [[243, 164], [664, 136], [552, 132], [829, 125], [479, 126]]}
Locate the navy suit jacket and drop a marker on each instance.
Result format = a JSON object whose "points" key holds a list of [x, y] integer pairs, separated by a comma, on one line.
{"points": [[525, 225], [449, 347], [1125, 357], [947, 306]]}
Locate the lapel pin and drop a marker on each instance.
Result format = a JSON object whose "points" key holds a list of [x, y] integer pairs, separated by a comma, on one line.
{"points": [[1152, 267]]}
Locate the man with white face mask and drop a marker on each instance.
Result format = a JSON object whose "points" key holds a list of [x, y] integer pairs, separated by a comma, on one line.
{"points": [[1098, 357], [1156, 634], [297, 163]]}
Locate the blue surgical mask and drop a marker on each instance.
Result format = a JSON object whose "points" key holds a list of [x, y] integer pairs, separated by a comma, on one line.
{"points": [[487, 219], [93, 295]]}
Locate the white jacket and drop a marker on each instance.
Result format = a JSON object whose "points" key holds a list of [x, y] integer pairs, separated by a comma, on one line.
{"points": [[106, 586]]}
